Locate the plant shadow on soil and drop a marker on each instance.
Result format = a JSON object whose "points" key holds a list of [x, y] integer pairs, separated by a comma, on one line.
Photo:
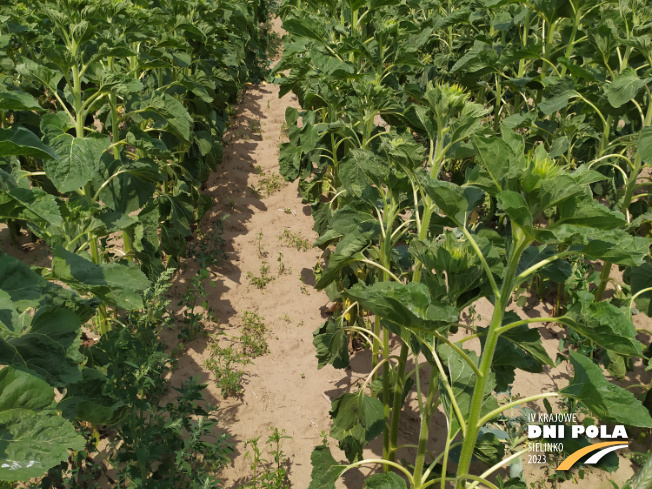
{"points": [[228, 189]]}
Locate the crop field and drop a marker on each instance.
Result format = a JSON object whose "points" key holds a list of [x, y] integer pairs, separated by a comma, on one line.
{"points": [[382, 244]]}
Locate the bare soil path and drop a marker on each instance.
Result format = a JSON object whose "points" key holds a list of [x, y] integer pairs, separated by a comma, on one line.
{"points": [[282, 389]]}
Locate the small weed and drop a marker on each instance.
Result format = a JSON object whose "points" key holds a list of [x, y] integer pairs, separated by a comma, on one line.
{"points": [[210, 249], [227, 366], [230, 203], [254, 125], [193, 321], [253, 339], [271, 184], [259, 170], [255, 191], [286, 318], [304, 290], [287, 210], [227, 363], [264, 279], [284, 129], [282, 268], [267, 474], [261, 249], [294, 240]]}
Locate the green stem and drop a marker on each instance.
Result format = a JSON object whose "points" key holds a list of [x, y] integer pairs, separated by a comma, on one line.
{"points": [[520, 243], [398, 401], [571, 41], [423, 431], [629, 192]]}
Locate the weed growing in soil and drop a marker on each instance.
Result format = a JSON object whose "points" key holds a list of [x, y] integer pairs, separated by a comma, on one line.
{"points": [[149, 441], [294, 240], [210, 249], [227, 363], [267, 474], [227, 367], [254, 125], [260, 282], [271, 184], [253, 339], [195, 296], [282, 268], [261, 249], [255, 191]]}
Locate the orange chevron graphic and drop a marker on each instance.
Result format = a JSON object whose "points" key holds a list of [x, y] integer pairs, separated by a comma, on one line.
{"points": [[569, 461]]}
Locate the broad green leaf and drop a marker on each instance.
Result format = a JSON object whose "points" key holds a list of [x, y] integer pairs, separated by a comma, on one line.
{"points": [[28, 289], [53, 125], [32, 205], [488, 448], [454, 201], [558, 189], [408, 305], [86, 401], [336, 262], [519, 347], [420, 119], [641, 278], [131, 184], [177, 213], [22, 142], [290, 161], [118, 284], [391, 480], [332, 344], [624, 87], [77, 163], [557, 271], [357, 420], [645, 145], [305, 27], [589, 213], [49, 78], [18, 100], [350, 220], [502, 164], [40, 344], [584, 175], [360, 170], [166, 113], [462, 380], [33, 437], [605, 324], [516, 209], [325, 469], [556, 102], [616, 246], [607, 401]]}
